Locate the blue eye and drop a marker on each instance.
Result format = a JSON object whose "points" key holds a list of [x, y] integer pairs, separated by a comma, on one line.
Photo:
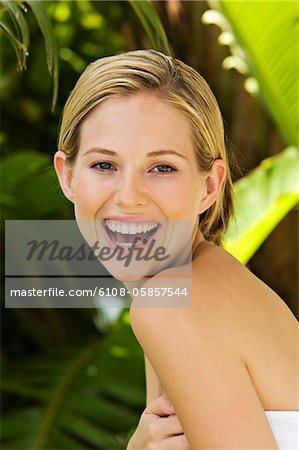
{"points": [[164, 168], [103, 165]]}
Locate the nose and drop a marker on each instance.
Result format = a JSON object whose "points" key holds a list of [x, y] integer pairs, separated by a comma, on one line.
{"points": [[131, 192]]}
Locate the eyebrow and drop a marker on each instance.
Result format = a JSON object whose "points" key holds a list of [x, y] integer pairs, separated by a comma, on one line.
{"points": [[150, 154]]}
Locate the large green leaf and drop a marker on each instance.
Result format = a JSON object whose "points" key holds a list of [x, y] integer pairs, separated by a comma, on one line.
{"points": [[267, 36], [86, 397], [262, 199]]}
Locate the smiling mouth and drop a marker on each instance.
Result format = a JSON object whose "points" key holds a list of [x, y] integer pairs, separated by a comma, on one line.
{"points": [[125, 234]]}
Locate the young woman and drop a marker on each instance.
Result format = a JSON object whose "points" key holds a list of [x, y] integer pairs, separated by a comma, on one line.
{"points": [[141, 145]]}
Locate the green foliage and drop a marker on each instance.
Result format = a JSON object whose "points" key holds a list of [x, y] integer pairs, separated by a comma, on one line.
{"points": [[82, 397], [50, 43], [262, 199], [19, 36], [152, 24], [263, 39], [30, 188]]}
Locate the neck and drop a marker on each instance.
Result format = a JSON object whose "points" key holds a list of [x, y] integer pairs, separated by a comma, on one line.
{"points": [[198, 238]]}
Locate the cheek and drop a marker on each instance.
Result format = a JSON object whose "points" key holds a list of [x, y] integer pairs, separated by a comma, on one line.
{"points": [[178, 200], [88, 196]]}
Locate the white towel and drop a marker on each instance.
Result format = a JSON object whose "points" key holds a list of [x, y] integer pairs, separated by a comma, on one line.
{"points": [[285, 427]]}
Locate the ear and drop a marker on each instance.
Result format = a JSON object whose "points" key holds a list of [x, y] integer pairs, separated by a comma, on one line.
{"points": [[64, 173], [213, 185]]}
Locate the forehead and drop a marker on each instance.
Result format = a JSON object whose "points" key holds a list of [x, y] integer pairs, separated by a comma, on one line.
{"points": [[140, 120]]}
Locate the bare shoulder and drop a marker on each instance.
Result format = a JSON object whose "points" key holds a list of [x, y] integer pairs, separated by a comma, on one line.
{"points": [[225, 296], [241, 306], [227, 291]]}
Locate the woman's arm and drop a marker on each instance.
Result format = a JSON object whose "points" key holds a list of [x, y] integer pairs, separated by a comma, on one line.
{"points": [[158, 426], [205, 378], [154, 388]]}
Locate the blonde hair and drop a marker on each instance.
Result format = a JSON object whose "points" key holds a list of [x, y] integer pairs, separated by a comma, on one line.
{"points": [[173, 81]]}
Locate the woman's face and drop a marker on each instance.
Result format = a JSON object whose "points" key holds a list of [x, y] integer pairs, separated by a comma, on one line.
{"points": [[136, 160], [136, 167]]}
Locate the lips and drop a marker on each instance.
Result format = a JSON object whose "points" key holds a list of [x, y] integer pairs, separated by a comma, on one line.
{"points": [[124, 233]]}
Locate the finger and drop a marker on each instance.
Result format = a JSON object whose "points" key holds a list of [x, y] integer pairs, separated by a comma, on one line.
{"points": [[160, 428], [170, 426], [160, 407], [179, 442]]}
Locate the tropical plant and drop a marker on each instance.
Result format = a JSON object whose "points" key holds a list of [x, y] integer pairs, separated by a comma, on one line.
{"points": [[152, 24], [263, 40], [13, 22], [17, 32], [262, 200]]}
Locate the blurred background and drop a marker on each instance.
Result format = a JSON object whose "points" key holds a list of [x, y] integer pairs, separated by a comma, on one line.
{"points": [[75, 378]]}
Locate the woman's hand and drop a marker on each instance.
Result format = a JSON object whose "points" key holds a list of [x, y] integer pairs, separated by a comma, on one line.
{"points": [[158, 428]]}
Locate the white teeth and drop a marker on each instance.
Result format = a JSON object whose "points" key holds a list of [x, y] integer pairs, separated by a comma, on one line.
{"points": [[124, 229], [130, 228]]}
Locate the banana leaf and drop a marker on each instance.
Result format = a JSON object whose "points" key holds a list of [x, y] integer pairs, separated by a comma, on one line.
{"points": [[267, 32], [262, 200]]}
